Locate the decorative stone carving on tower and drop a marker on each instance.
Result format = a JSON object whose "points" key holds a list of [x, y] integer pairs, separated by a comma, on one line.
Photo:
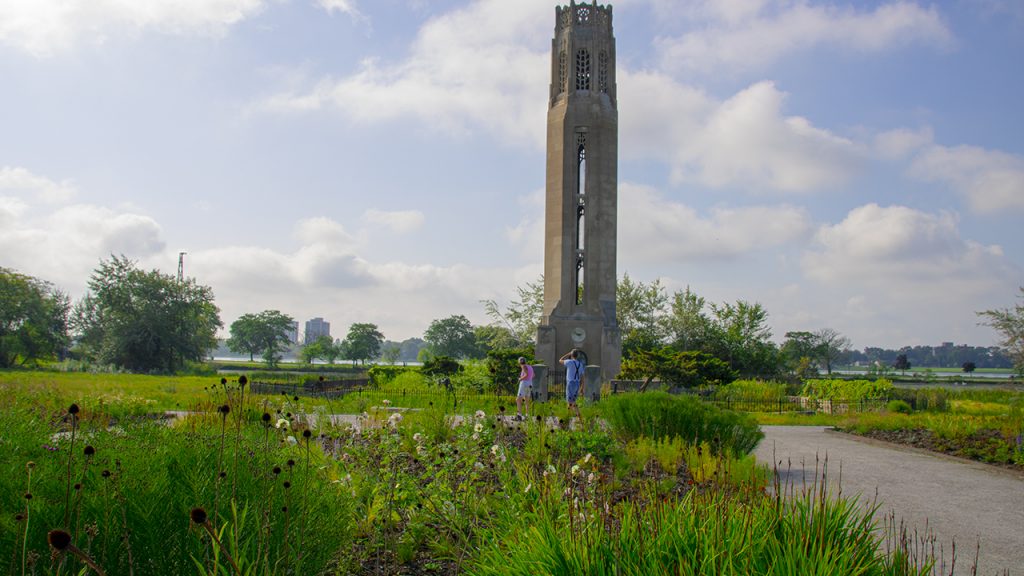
{"points": [[581, 192]]}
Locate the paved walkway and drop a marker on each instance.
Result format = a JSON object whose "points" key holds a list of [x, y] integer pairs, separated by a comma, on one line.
{"points": [[966, 502]]}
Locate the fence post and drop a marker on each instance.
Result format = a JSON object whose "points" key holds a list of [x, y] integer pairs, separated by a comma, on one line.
{"points": [[592, 383], [540, 378]]}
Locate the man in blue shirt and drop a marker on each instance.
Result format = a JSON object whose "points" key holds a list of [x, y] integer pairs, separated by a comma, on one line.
{"points": [[573, 380]]}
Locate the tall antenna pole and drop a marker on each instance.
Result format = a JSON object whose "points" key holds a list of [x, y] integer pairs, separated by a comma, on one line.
{"points": [[181, 266]]}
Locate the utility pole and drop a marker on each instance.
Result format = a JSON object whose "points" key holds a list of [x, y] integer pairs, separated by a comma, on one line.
{"points": [[181, 266]]}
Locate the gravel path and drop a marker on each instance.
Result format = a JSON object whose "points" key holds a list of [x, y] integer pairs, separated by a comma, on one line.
{"points": [[970, 503]]}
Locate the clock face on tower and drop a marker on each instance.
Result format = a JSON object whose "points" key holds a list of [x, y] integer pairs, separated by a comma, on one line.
{"points": [[578, 335]]}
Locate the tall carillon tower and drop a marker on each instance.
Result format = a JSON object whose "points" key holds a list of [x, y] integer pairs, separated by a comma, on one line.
{"points": [[581, 192]]}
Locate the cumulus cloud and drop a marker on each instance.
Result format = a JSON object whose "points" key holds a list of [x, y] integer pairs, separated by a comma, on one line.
{"points": [[47, 27], [395, 221], [653, 228], [343, 6], [747, 34], [19, 180], [463, 66], [991, 180]]}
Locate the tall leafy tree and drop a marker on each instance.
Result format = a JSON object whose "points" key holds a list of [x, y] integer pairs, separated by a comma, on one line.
{"points": [[688, 326], [830, 346], [640, 314], [145, 321], [323, 348], [1010, 323], [33, 319], [452, 336], [800, 352], [521, 317], [264, 333], [363, 341]]}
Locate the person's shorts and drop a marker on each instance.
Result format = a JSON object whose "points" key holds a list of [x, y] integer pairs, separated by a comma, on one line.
{"points": [[524, 388], [572, 391]]}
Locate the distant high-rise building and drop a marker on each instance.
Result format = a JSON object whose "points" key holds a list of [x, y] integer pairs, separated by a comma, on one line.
{"points": [[316, 328], [293, 333]]}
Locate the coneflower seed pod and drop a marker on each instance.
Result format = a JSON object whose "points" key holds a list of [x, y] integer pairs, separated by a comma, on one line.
{"points": [[266, 417], [89, 451], [242, 380], [198, 515], [307, 434], [73, 409], [59, 540], [223, 380]]}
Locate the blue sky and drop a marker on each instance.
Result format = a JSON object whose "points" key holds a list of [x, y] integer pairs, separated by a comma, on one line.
{"points": [[852, 165]]}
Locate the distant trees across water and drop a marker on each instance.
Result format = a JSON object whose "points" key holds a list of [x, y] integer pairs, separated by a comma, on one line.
{"points": [[943, 356]]}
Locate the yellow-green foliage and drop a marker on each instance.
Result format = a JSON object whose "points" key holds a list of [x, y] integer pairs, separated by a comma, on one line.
{"points": [[759, 390], [848, 390]]}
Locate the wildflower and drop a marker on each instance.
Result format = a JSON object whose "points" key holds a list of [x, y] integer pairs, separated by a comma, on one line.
{"points": [[480, 415], [478, 428], [586, 458], [475, 436], [591, 478], [478, 465], [417, 438], [291, 440], [386, 402], [494, 450], [281, 424], [394, 419], [575, 469]]}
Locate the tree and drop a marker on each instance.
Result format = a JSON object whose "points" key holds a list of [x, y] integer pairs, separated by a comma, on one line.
{"points": [[391, 353], [687, 324], [33, 319], [739, 334], [830, 346], [902, 364], [687, 369], [800, 352], [1010, 323], [640, 314], [322, 348], [451, 336], [145, 321], [522, 317], [495, 337], [265, 333], [968, 367], [363, 342]]}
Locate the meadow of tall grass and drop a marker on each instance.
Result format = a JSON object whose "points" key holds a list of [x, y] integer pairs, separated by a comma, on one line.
{"points": [[248, 484]]}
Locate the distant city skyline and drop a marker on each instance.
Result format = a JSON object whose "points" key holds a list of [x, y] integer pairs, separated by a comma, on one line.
{"points": [[849, 165]]}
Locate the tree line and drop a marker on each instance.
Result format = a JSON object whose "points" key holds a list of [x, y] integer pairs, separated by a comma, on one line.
{"points": [[147, 321]]}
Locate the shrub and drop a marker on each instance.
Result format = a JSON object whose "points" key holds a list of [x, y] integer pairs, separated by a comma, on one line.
{"points": [[899, 406], [661, 415], [380, 374], [503, 366], [847, 390], [924, 400], [748, 390]]}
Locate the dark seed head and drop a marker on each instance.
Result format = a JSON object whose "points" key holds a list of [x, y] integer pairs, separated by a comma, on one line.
{"points": [[538, 418], [224, 409], [276, 470], [223, 474], [28, 495], [89, 451], [295, 398], [223, 380], [321, 378], [19, 517], [284, 509], [290, 462], [198, 515], [73, 409], [242, 380], [288, 415], [59, 539], [306, 434], [77, 486], [501, 408], [105, 474], [287, 484], [266, 417]]}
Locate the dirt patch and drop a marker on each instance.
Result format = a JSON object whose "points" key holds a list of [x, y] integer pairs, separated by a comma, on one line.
{"points": [[988, 446]]}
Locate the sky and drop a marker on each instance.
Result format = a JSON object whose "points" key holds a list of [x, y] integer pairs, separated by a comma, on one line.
{"points": [[851, 165]]}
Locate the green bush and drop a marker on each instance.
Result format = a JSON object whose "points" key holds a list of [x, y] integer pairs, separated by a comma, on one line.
{"points": [[899, 406], [380, 374], [503, 366], [749, 390], [847, 390], [924, 400], [662, 415]]}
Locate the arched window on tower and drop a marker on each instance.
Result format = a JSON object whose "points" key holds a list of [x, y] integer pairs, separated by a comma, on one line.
{"points": [[581, 206], [583, 69], [602, 72]]}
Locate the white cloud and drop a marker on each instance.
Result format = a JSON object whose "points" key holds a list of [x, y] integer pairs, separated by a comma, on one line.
{"points": [[395, 221], [46, 27], [528, 234], [343, 6], [991, 180], [464, 66], [748, 34], [654, 229], [744, 141], [898, 144], [20, 180]]}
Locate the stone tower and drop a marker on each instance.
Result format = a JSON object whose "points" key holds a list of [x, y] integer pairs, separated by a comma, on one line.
{"points": [[581, 192]]}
